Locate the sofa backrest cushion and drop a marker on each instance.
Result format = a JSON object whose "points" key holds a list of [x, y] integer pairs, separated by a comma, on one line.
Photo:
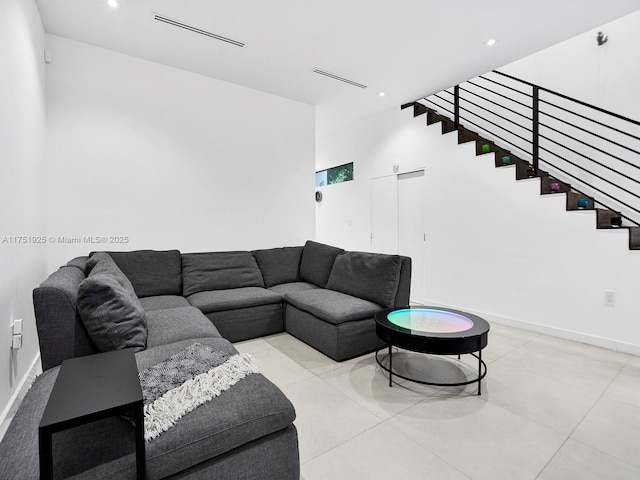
{"points": [[370, 276], [279, 265], [219, 271], [404, 285], [109, 307], [151, 272], [317, 261]]}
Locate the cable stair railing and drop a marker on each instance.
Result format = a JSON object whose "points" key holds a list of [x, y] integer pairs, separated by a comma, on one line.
{"points": [[586, 152]]}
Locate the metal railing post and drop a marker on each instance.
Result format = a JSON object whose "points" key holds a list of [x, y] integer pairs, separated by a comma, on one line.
{"points": [[456, 106], [535, 128]]}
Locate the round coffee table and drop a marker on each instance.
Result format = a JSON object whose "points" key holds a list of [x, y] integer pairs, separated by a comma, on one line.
{"points": [[433, 330]]}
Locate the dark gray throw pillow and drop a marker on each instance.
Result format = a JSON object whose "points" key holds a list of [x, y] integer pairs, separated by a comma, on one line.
{"points": [[110, 310], [102, 262], [95, 258], [202, 272], [370, 276], [279, 265], [317, 261]]}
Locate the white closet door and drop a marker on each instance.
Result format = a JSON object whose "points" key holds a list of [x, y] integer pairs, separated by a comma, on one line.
{"points": [[411, 233]]}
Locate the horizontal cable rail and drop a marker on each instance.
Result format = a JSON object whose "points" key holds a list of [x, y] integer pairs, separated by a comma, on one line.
{"points": [[600, 137], [574, 100], [594, 121], [495, 124], [470, 82], [496, 103], [593, 149], [590, 146], [496, 135], [497, 114], [507, 86]]}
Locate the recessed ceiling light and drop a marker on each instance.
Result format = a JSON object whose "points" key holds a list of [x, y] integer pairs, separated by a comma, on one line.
{"points": [[491, 42], [381, 94], [113, 3]]}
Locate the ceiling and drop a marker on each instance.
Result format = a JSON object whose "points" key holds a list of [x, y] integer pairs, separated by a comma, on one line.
{"points": [[406, 48]]}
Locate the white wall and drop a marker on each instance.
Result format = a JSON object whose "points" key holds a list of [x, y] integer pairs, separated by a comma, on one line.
{"points": [[22, 122], [171, 159], [494, 245]]}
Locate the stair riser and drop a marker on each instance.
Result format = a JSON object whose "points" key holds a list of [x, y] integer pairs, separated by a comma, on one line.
{"points": [[579, 202], [608, 219], [419, 109], [634, 238]]}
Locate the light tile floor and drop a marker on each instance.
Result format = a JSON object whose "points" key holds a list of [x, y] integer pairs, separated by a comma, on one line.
{"points": [[550, 409]]}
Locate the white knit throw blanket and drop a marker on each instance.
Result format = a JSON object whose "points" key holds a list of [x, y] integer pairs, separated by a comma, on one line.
{"points": [[166, 410]]}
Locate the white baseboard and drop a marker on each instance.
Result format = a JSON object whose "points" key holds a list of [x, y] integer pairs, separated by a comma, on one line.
{"points": [[21, 390], [607, 343]]}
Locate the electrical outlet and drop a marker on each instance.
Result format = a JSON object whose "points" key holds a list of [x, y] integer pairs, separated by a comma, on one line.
{"points": [[609, 299], [16, 341], [17, 326]]}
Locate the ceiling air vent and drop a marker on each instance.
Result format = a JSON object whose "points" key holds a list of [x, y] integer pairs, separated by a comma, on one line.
{"points": [[338, 77], [175, 23]]}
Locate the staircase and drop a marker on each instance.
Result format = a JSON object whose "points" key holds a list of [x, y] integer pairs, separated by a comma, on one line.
{"points": [[606, 218]]}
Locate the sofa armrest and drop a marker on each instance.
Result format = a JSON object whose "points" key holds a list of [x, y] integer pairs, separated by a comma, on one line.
{"points": [[61, 333]]}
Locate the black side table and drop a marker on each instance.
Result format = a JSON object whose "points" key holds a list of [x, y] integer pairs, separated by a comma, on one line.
{"points": [[88, 389]]}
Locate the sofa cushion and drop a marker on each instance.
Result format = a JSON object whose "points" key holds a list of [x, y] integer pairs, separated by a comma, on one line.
{"points": [[219, 271], [285, 288], [233, 298], [163, 302], [110, 309], [176, 324], [152, 272], [331, 306], [317, 261], [279, 265], [372, 276]]}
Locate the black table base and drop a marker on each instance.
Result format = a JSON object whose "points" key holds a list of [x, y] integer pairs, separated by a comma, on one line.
{"points": [[482, 371]]}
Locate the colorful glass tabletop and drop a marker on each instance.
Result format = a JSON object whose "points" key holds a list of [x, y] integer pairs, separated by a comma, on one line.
{"points": [[430, 320]]}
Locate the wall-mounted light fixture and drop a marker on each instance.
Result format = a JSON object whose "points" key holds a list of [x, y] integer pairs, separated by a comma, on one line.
{"points": [[602, 38]]}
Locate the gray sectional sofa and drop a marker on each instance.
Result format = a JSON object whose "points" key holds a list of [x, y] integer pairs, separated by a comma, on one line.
{"points": [[166, 301]]}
